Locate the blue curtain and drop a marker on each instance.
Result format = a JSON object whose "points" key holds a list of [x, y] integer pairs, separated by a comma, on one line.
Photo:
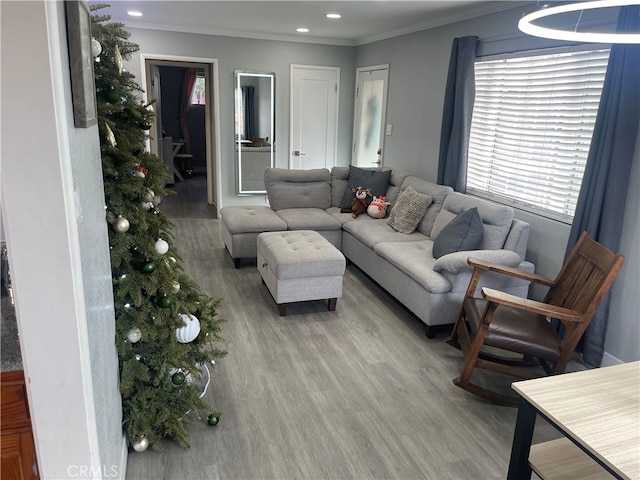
{"points": [[603, 193], [248, 100], [456, 114]]}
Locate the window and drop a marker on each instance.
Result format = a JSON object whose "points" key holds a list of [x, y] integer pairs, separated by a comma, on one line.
{"points": [[198, 97], [531, 129]]}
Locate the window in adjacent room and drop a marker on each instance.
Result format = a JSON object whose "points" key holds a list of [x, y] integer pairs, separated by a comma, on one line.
{"points": [[198, 97], [533, 119]]}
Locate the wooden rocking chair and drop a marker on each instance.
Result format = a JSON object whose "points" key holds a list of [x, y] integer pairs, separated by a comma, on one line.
{"points": [[519, 325]]}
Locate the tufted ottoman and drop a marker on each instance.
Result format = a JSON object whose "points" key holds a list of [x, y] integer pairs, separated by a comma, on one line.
{"points": [[300, 265], [241, 226]]}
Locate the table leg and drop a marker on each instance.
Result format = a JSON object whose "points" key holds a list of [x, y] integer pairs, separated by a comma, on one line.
{"points": [[519, 468]]}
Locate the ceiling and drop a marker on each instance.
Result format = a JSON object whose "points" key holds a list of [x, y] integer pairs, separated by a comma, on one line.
{"points": [[362, 21]]}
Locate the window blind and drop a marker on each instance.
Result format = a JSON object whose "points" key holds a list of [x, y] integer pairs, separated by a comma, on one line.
{"points": [[531, 129]]}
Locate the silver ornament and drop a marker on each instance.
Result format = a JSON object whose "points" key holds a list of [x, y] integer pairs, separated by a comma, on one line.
{"points": [[118, 58], [149, 196], [175, 287], [141, 445], [121, 224], [111, 138], [147, 205]]}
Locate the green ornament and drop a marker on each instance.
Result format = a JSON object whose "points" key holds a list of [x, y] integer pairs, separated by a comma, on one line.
{"points": [[213, 420], [148, 267], [165, 302], [178, 378]]}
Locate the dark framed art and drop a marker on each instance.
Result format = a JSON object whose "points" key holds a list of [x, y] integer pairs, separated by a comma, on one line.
{"points": [[81, 63]]}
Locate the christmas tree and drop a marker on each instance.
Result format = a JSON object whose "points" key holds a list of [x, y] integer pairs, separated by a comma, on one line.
{"points": [[165, 327]]}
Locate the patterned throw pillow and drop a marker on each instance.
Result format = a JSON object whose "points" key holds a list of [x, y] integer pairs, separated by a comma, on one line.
{"points": [[465, 232], [408, 210]]}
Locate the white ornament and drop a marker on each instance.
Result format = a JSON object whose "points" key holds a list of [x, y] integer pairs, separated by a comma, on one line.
{"points": [[141, 445], [138, 173], [134, 335], [161, 247], [191, 328], [147, 205], [175, 287], [111, 138], [96, 48], [118, 58]]}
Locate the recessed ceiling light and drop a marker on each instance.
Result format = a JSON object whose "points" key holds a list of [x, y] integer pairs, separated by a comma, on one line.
{"points": [[333, 15], [134, 13], [302, 29]]}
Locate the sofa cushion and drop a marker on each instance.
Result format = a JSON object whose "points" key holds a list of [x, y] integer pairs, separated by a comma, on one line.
{"points": [[308, 219], [395, 184], [496, 219], [465, 232], [346, 217], [251, 218], [416, 260], [435, 191], [374, 231], [339, 184], [298, 188], [408, 211], [457, 261], [376, 180]]}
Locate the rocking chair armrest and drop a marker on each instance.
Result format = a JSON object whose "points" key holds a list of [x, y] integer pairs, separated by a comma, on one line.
{"points": [[511, 271], [533, 306]]}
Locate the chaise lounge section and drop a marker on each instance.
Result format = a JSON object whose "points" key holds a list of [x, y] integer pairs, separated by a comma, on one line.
{"points": [[402, 263]]}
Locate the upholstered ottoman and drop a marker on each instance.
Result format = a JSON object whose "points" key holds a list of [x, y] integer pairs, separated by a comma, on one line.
{"points": [[241, 226], [300, 265]]}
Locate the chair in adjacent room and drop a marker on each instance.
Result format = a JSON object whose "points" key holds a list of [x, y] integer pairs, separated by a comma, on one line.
{"points": [[490, 327]]}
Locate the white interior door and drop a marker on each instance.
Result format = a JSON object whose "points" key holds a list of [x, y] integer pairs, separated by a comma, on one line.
{"points": [[314, 116], [370, 116]]}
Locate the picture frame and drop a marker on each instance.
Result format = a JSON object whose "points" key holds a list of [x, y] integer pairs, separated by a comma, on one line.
{"points": [[83, 88]]}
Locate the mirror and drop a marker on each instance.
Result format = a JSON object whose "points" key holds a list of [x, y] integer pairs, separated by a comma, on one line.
{"points": [[254, 127]]}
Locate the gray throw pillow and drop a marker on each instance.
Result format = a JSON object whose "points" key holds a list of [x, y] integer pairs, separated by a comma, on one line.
{"points": [[465, 232], [375, 180], [408, 210]]}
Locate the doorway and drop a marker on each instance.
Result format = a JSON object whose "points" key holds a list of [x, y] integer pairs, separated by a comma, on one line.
{"points": [[370, 112], [314, 116], [210, 110]]}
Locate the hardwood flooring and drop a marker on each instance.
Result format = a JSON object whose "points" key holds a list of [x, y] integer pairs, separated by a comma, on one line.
{"points": [[359, 393]]}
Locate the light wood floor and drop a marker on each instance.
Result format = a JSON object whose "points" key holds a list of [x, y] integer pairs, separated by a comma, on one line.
{"points": [[359, 393]]}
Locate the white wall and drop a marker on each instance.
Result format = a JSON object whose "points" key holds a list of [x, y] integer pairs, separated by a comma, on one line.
{"points": [[417, 81], [260, 56], [53, 208]]}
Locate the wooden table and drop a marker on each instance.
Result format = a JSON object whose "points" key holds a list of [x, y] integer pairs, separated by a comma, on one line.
{"points": [[598, 411]]}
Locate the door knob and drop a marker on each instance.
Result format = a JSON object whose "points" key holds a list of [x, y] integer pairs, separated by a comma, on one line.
{"points": [[298, 153]]}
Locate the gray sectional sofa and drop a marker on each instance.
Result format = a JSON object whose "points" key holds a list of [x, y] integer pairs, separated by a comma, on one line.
{"points": [[403, 264]]}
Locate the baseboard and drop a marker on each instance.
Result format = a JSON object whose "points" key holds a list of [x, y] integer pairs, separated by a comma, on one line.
{"points": [[609, 360], [124, 453]]}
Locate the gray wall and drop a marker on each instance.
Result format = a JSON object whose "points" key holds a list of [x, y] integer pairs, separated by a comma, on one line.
{"points": [[53, 206], [260, 56], [418, 66]]}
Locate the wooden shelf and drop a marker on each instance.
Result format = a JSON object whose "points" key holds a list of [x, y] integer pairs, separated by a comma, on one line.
{"points": [[562, 460]]}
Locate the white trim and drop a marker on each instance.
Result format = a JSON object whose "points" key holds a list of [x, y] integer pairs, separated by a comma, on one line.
{"points": [[609, 360], [213, 147]]}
